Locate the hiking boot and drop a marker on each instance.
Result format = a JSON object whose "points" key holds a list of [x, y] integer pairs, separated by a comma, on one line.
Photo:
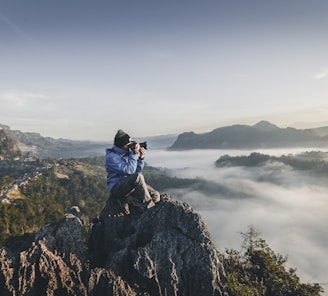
{"points": [[150, 204], [156, 198]]}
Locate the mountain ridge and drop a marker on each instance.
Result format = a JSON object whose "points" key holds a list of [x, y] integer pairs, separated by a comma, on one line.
{"points": [[261, 135], [46, 147]]}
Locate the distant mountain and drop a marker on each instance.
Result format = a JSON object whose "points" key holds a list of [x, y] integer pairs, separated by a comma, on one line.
{"points": [[261, 135], [46, 147], [265, 126], [314, 162], [321, 131], [159, 142], [8, 147]]}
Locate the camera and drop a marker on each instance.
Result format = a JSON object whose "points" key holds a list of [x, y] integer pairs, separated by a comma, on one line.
{"points": [[134, 143]]}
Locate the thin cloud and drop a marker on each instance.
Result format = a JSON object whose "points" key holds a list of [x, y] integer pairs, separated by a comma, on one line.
{"points": [[321, 75], [14, 28], [20, 99]]}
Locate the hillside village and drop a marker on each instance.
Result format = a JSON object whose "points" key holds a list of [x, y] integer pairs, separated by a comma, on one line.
{"points": [[34, 169]]}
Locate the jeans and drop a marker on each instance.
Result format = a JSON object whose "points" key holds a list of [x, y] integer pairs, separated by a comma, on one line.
{"points": [[136, 187]]}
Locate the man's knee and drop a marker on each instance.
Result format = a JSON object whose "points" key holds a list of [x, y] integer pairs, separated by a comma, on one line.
{"points": [[140, 178]]}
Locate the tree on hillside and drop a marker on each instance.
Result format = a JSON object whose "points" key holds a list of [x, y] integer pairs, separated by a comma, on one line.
{"points": [[260, 271]]}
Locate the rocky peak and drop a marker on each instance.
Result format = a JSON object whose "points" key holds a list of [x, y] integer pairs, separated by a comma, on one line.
{"points": [[166, 250]]}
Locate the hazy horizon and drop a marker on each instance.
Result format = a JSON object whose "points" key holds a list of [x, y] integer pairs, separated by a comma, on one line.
{"points": [[161, 137], [82, 69]]}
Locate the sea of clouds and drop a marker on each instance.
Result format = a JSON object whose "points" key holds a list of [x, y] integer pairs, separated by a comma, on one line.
{"points": [[288, 207]]}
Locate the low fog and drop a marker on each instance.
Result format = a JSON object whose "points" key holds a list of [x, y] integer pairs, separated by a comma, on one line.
{"points": [[288, 207]]}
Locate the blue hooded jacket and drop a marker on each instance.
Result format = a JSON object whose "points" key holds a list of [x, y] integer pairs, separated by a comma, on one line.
{"points": [[120, 163]]}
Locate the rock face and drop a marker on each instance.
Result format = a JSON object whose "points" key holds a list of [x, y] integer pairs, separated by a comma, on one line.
{"points": [[52, 264], [166, 250]]}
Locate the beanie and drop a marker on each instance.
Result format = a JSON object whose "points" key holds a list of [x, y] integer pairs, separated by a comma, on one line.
{"points": [[121, 138]]}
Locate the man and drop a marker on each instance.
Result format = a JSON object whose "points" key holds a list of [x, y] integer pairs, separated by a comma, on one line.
{"points": [[124, 164]]}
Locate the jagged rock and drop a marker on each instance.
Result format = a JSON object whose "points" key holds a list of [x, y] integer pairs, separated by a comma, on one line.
{"points": [[53, 264], [7, 270], [166, 250], [104, 282]]}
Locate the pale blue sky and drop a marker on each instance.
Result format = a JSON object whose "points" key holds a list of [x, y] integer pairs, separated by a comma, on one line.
{"points": [[82, 69]]}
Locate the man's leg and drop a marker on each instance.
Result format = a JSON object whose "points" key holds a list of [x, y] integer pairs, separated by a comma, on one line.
{"points": [[136, 182], [124, 187]]}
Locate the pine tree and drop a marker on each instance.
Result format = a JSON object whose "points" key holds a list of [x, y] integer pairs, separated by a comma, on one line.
{"points": [[260, 271]]}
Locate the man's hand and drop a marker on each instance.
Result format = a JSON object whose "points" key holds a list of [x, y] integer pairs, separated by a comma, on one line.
{"points": [[142, 152]]}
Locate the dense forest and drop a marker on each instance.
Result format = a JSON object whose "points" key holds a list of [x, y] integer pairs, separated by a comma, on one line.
{"points": [[45, 196], [46, 189]]}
